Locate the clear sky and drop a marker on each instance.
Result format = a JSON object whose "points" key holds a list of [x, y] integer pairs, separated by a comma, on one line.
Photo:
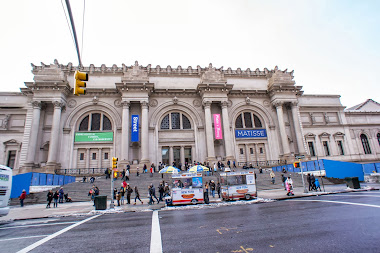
{"points": [[333, 46]]}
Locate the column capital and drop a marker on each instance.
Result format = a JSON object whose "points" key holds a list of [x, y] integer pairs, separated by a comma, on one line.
{"points": [[58, 104], [37, 104], [294, 103], [126, 104], [207, 104], [224, 104], [278, 103], [144, 104]]}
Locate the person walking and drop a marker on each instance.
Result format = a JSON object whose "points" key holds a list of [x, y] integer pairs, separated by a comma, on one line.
{"points": [[22, 198], [273, 176], [137, 196], [283, 178], [61, 193], [122, 193], [137, 171], [212, 188], [118, 197], [153, 190], [107, 173], [129, 192], [167, 193], [218, 188], [151, 171], [205, 193], [145, 169], [317, 185], [55, 197], [289, 186], [309, 181], [127, 175], [312, 181], [161, 191], [234, 164], [123, 174], [49, 198]]}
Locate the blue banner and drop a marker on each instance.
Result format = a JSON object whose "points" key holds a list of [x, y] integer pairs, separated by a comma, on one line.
{"points": [[251, 133], [135, 128]]}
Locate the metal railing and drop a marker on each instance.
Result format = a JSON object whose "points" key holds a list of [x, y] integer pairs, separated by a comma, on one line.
{"points": [[263, 164], [81, 172]]}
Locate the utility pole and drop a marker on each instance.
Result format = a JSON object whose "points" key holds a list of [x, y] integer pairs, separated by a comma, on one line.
{"points": [[303, 181]]}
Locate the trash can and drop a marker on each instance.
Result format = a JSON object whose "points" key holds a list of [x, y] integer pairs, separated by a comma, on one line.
{"points": [[352, 182], [100, 202]]}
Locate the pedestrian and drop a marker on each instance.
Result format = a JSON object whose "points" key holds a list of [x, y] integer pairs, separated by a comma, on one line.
{"points": [[137, 196], [161, 191], [260, 170], [228, 163], [153, 191], [205, 193], [218, 188], [289, 186], [61, 193], [312, 181], [145, 169], [92, 179], [114, 194], [273, 176], [129, 191], [317, 185], [151, 171], [55, 197], [49, 198], [234, 164], [22, 198], [127, 175], [107, 173], [137, 171], [122, 193], [123, 174], [212, 188], [84, 179], [118, 197], [309, 181], [167, 193], [283, 178]]}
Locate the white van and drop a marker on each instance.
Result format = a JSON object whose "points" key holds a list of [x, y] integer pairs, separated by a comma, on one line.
{"points": [[5, 189]]}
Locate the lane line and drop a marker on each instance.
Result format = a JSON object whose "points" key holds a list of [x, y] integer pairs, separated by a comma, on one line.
{"points": [[25, 237], [37, 225], [155, 237], [46, 239], [361, 195], [331, 201]]}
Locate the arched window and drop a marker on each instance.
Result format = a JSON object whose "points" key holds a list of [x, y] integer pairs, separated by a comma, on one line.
{"points": [[365, 143], [95, 122], [378, 138], [175, 120], [248, 120]]}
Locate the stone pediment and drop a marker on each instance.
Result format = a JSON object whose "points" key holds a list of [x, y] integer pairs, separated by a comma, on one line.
{"points": [[280, 78], [135, 74], [368, 106], [211, 75], [48, 73]]}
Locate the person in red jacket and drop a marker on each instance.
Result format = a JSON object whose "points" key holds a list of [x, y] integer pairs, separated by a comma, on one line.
{"points": [[22, 197]]}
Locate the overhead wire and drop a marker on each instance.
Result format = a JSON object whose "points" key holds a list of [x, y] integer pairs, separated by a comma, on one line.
{"points": [[84, 9], [71, 33]]}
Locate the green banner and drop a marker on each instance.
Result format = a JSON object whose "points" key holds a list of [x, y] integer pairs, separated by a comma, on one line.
{"points": [[93, 137]]}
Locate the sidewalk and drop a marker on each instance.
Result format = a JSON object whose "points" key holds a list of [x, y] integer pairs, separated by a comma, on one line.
{"points": [[87, 208]]}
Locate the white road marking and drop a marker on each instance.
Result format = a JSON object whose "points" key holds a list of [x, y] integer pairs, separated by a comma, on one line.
{"points": [[331, 201], [155, 238], [360, 195], [46, 239], [25, 237], [37, 225]]}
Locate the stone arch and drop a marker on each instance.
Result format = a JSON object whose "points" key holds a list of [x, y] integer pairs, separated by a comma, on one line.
{"points": [[261, 112], [80, 111], [180, 106]]}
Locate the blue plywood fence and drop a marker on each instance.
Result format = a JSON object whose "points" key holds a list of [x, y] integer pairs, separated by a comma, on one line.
{"points": [[24, 181], [371, 168]]}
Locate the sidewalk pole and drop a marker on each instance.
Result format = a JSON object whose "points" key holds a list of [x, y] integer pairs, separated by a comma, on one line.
{"points": [[112, 204], [303, 181]]}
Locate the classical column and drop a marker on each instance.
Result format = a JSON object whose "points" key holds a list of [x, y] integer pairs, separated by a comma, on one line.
{"points": [[182, 154], [54, 136], [281, 123], [144, 133], [297, 128], [209, 134], [99, 158], [256, 152], [192, 154], [171, 156], [74, 165], [125, 132], [87, 158], [227, 132], [34, 131], [247, 154]]}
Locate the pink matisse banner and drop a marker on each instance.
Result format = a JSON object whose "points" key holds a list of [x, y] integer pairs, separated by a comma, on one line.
{"points": [[218, 127]]}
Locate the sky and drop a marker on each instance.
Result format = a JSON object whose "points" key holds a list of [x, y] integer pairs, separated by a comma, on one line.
{"points": [[333, 46]]}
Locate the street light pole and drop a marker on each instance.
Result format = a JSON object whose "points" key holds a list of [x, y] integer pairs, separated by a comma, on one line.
{"points": [[303, 181], [112, 204]]}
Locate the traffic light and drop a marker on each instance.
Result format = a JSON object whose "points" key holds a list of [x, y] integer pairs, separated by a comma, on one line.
{"points": [[115, 174], [114, 162], [79, 84], [296, 165]]}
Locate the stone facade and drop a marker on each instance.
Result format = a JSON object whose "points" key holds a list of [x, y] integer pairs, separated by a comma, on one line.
{"points": [[263, 117]]}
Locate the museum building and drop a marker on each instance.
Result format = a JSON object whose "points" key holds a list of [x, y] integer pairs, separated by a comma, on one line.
{"points": [[145, 115]]}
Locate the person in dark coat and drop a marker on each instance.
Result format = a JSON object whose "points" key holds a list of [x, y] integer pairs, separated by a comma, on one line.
{"points": [[137, 196], [55, 197], [152, 193], [312, 181], [283, 181], [129, 192], [49, 198], [22, 198], [309, 181], [61, 193], [161, 191], [218, 189]]}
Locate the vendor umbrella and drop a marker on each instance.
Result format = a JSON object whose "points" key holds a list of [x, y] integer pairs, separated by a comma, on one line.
{"points": [[169, 169], [198, 168]]}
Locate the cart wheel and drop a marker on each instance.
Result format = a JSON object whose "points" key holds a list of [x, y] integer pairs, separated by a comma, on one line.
{"points": [[247, 197], [194, 201]]}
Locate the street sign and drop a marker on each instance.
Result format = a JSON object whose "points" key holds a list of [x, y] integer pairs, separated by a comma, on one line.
{"points": [[300, 156]]}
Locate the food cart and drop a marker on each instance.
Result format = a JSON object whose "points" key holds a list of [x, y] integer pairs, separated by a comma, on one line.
{"points": [[187, 189], [238, 185]]}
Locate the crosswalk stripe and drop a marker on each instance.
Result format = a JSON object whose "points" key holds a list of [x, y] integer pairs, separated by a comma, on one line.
{"points": [[155, 238]]}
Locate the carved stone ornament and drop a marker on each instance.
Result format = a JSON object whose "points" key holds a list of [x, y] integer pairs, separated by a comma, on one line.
{"points": [[117, 103], [266, 103], [248, 100], [213, 76], [175, 100], [95, 100], [144, 104], [327, 120], [153, 102], [197, 103], [125, 104], [135, 74], [229, 103], [37, 104], [58, 104], [5, 122], [72, 103]]}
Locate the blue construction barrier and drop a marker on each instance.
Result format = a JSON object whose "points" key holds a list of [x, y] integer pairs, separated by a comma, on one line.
{"points": [[338, 169], [36, 179], [369, 168], [42, 179], [377, 166], [19, 183], [49, 179], [61, 179], [55, 179]]}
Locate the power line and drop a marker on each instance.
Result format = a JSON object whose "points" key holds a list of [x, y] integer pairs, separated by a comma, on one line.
{"points": [[64, 11], [74, 32], [84, 9]]}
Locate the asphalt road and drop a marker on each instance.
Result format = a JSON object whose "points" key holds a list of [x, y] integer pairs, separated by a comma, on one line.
{"points": [[332, 223]]}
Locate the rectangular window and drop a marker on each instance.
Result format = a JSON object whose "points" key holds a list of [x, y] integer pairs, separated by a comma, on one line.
{"points": [[326, 148], [105, 156], [251, 151], [340, 148], [11, 159], [241, 151], [81, 156], [93, 156], [311, 148], [261, 150]]}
